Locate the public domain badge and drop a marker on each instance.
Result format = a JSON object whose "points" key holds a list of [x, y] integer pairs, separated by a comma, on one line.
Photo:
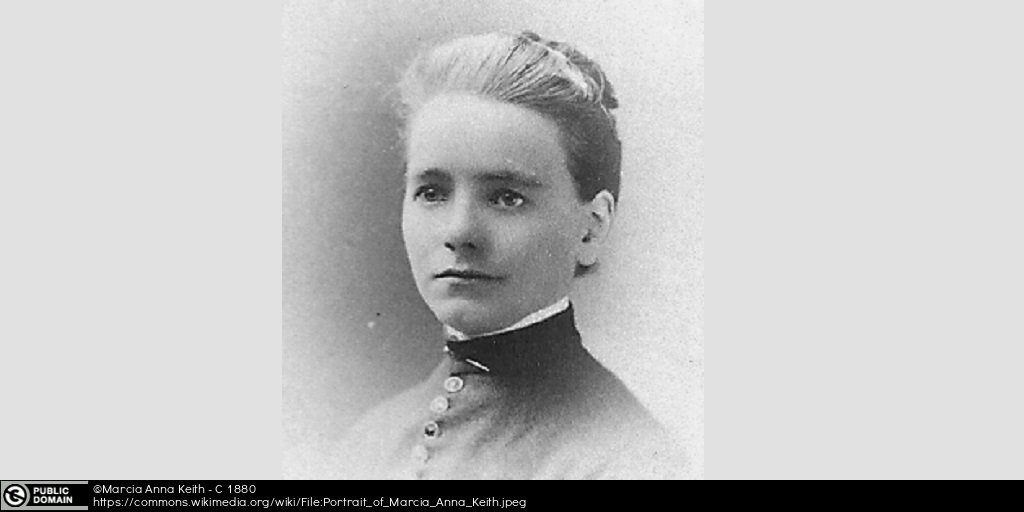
{"points": [[44, 495]]}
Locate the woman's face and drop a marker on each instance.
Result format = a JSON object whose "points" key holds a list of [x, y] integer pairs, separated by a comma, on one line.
{"points": [[492, 224]]}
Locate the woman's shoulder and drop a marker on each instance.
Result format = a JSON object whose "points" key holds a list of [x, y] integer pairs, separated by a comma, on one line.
{"points": [[624, 443], [613, 435]]}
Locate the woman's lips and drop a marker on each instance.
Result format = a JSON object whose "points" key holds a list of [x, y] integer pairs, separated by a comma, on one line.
{"points": [[465, 276]]}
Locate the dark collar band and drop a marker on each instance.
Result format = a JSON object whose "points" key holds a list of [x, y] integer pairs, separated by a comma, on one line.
{"points": [[534, 348]]}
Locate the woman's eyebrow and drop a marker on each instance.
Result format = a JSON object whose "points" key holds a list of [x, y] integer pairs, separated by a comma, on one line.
{"points": [[432, 173], [512, 177]]}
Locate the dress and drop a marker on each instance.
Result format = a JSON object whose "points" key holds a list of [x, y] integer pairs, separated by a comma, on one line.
{"points": [[526, 404]]}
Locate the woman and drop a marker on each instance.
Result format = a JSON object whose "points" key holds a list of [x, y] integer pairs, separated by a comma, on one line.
{"points": [[511, 185]]}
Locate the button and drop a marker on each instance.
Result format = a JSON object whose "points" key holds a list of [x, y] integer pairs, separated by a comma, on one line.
{"points": [[453, 384], [419, 453], [439, 405], [431, 429]]}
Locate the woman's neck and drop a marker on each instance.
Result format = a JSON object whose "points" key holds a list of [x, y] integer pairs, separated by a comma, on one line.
{"points": [[540, 315]]}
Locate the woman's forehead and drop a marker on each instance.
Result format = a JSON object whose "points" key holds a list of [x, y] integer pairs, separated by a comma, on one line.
{"points": [[468, 135]]}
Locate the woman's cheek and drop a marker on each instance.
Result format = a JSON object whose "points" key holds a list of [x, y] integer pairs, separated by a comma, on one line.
{"points": [[414, 237]]}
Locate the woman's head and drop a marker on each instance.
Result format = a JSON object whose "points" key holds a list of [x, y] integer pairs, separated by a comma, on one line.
{"points": [[548, 77], [512, 178]]}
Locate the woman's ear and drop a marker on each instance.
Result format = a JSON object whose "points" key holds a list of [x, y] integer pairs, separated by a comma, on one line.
{"points": [[599, 211]]}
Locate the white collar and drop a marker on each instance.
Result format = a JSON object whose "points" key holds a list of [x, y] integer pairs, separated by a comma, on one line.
{"points": [[535, 317]]}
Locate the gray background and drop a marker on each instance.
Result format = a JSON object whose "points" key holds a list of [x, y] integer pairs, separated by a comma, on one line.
{"points": [[140, 261], [355, 328]]}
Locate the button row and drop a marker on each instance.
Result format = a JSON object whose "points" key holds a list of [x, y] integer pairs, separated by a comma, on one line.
{"points": [[431, 430]]}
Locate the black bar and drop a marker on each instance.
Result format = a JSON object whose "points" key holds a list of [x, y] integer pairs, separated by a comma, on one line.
{"points": [[350, 495]]}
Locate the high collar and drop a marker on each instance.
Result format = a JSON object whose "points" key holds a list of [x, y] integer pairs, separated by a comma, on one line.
{"points": [[535, 348], [453, 334]]}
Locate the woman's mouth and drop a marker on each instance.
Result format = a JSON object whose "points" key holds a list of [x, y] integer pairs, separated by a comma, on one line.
{"points": [[465, 276]]}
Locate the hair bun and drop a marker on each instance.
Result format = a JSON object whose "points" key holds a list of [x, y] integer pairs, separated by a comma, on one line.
{"points": [[602, 91]]}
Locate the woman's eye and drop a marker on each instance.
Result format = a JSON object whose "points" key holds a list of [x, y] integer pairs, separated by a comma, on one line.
{"points": [[509, 199], [429, 193]]}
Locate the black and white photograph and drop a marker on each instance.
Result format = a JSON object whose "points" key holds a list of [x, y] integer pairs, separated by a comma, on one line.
{"points": [[492, 240]]}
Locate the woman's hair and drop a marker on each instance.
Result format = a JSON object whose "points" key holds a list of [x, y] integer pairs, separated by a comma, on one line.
{"points": [[548, 77]]}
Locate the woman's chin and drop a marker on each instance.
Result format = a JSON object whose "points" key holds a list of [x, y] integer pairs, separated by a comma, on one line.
{"points": [[470, 317]]}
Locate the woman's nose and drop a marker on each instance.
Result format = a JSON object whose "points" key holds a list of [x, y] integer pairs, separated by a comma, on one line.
{"points": [[462, 227]]}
